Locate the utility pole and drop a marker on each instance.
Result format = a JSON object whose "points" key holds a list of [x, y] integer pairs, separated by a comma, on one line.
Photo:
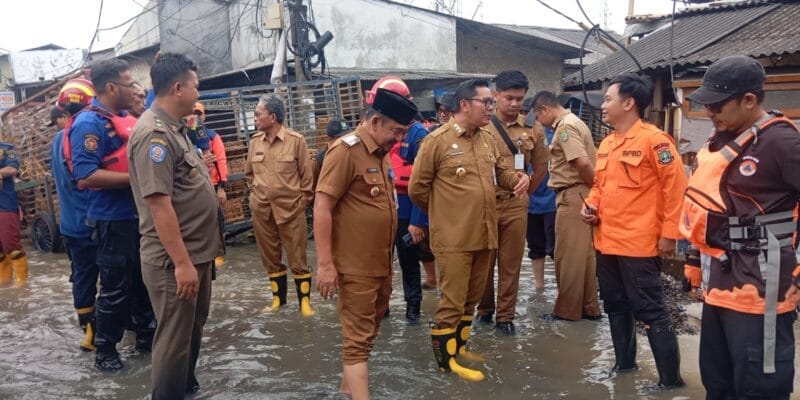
{"points": [[630, 14], [299, 36]]}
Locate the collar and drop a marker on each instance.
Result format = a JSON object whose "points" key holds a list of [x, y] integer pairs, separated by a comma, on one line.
{"points": [[635, 128], [561, 117], [280, 135], [517, 121], [366, 138], [173, 124]]}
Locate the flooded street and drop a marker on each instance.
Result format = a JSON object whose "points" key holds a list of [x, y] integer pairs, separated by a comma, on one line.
{"points": [[248, 354]]}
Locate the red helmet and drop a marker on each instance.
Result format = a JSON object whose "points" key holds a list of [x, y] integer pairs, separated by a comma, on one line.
{"points": [[78, 91], [392, 83]]}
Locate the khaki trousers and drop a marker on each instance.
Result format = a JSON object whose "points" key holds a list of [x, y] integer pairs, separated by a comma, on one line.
{"points": [[462, 280], [176, 344], [363, 301], [574, 256], [512, 224], [270, 236]]}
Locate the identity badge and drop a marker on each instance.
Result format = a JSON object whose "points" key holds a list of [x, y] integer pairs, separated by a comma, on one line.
{"points": [[519, 161]]}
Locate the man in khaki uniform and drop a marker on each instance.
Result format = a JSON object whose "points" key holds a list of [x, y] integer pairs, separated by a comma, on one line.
{"points": [[355, 219], [518, 146], [454, 180], [177, 209], [280, 178], [571, 175]]}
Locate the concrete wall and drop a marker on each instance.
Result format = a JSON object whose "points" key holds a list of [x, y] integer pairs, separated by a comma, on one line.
{"points": [[199, 29], [379, 35], [252, 46], [482, 54], [142, 33]]}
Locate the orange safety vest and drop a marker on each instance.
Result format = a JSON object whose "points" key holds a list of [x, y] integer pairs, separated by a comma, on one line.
{"points": [[401, 168], [708, 225], [123, 126], [706, 221]]}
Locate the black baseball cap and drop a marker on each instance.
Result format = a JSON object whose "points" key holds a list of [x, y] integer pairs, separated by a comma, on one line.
{"points": [[336, 127], [55, 113], [394, 106], [728, 77]]}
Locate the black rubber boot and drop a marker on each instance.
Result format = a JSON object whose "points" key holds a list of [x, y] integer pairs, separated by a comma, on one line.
{"points": [[412, 312], [623, 335], [278, 284], [444, 350], [303, 285], [666, 353]]}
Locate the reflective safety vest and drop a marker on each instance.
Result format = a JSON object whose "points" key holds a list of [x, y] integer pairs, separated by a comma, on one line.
{"points": [[122, 126], [401, 168], [710, 227]]}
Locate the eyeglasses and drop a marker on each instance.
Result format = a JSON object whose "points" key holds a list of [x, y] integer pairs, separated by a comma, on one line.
{"points": [[488, 102]]}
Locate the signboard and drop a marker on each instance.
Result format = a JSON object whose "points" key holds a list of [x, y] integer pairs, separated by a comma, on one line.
{"points": [[7, 100], [43, 65]]}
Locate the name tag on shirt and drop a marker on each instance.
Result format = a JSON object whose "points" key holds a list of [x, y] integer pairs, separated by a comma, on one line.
{"points": [[519, 161]]}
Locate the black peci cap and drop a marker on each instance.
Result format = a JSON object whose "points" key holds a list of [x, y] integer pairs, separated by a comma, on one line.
{"points": [[55, 113], [394, 106], [337, 127], [727, 77]]}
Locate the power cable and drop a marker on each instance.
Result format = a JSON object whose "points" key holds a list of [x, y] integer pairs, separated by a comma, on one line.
{"points": [[96, 31], [121, 24]]}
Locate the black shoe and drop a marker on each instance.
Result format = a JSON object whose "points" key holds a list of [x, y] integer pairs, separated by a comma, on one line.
{"points": [[485, 319], [597, 317], [506, 327], [192, 389], [144, 343], [108, 361], [386, 314], [412, 312], [551, 317]]}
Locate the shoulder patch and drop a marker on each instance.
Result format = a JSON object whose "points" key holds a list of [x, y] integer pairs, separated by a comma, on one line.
{"points": [[11, 154], [90, 142], [663, 154], [351, 140], [563, 135], [158, 152]]}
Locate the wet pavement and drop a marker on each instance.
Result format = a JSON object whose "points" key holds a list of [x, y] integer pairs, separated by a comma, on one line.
{"points": [[249, 354]]}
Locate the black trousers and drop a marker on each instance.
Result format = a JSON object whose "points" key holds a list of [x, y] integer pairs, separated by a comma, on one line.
{"points": [[409, 258], [632, 284], [731, 354], [123, 301]]}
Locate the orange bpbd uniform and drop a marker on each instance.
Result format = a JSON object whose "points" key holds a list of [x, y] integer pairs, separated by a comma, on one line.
{"points": [[637, 192], [713, 227]]}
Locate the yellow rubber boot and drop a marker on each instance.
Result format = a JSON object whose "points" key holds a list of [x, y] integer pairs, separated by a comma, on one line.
{"points": [[444, 349], [219, 261], [303, 284], [86, 321], [19, 263], [464, 329], [277, 283], [5, 269]]}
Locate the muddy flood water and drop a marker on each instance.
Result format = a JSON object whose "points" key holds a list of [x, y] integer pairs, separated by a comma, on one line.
{"points": [[248, 354]]}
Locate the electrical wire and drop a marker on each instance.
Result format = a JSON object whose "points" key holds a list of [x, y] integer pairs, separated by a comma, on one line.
{"points": [[672, 55], [121, 24], [96, 31]]}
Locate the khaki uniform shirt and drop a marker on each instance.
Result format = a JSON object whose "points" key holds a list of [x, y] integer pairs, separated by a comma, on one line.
{"points": [[162, 160], [356, 174], [528, 141], [571, 140], [454, 180], [279, 173]]}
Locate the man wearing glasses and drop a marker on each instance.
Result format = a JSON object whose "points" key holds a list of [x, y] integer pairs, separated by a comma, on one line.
{"points": [[454, 180], [97, 159]]}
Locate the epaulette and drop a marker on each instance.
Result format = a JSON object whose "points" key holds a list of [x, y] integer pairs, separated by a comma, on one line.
{"points": [[351, 140], [292, 133], [159, 126]]}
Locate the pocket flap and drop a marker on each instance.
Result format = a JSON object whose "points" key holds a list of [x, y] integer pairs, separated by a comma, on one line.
{"points": [[633, 161]]}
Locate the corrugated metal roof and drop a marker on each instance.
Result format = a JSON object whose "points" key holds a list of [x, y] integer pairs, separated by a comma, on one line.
{"points": [[416, 75], [693, 33]]}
